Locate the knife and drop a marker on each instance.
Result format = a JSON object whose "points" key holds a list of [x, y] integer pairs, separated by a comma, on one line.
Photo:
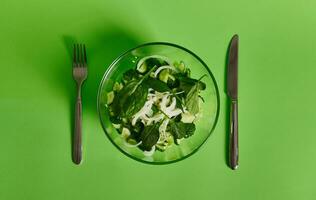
{"points": [[232, 92]]}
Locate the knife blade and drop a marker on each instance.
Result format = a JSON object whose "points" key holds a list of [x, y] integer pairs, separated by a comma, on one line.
{"points": [[232, 92]]}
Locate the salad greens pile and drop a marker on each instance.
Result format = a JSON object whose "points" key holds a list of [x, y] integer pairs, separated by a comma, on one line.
{"points": [[156, 104]]}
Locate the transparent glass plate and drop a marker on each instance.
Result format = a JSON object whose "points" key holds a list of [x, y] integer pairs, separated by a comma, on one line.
{"points": [[209, 109]]}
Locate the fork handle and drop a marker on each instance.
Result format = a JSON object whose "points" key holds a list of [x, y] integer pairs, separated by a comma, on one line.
{"points": [[77, 139]]}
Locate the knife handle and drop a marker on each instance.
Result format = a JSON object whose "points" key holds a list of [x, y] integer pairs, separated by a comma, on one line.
{"points": [[233, 136]]}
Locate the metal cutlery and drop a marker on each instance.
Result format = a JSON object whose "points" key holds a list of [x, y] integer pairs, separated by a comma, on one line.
{"points": [[232, 92], [80, 73]]}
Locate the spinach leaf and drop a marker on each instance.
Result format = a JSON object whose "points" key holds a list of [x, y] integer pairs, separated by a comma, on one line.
{"points": [[135, 101], [192, 100], [181, 130], [130, 99], [155, 109], [187, 83], [115, 108], [127, 89], [151, 62], [173, 83], [157, 85], [161, 86], [139, 127], [149, 136], [129, 75], [179, 103], [136, 130], [115, 119]]}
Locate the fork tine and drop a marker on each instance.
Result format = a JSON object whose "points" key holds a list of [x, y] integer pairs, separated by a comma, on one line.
{"points": [[81, 56], [78, 55], [84, 54]]}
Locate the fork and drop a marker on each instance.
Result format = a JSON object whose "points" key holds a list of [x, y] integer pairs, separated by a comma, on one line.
{"points": [[80, 73]]}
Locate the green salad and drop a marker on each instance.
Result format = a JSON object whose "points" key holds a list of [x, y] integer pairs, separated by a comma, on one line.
{"points": [[156, 104]]}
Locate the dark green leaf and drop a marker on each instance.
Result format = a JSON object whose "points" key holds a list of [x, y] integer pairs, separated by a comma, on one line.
{"points": [[135, 100], [187, 83], [139, 127], [150, 136], [130, 99], [161, 86], [155, 109], [151, 62], [177, 118], [136, 130], [192, 100], [115, 119], [115, 107], [157, 85], [181, 130], [130, 74], [128, 88], [173, 83], [179, 103], [202, 85]]}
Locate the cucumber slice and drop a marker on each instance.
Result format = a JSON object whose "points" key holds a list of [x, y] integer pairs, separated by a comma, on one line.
{"points": [[131, 141], [164, 75], [170, 140], [116, 126], [117, 86], [110, 97], [181, 66], [187, 117], [143, 68], [125, 133]]}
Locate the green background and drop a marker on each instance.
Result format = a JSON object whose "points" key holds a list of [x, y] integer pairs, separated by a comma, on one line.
{"points": [[277, 109]]}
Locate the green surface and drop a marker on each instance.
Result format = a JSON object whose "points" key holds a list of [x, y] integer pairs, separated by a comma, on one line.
{"points": [[277, 109]]}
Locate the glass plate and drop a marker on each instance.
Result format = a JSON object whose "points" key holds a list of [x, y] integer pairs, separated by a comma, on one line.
{"points": [[209, 109]]}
